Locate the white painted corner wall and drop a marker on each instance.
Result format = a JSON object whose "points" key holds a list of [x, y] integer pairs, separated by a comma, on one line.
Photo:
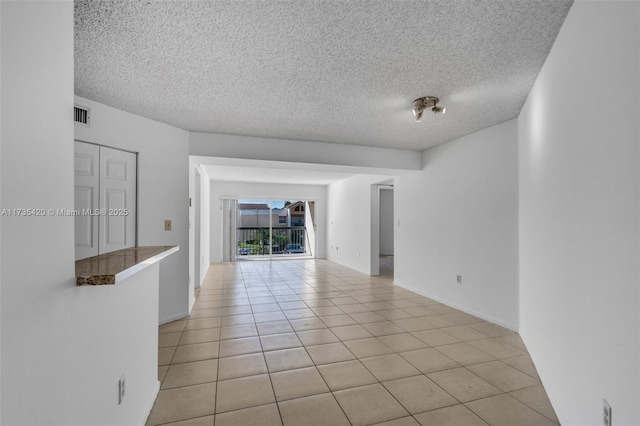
{"points": [[240, 190], [459, 216], [352, 222], [163, 188], [64, 347], [204, 205], [579, 214]]}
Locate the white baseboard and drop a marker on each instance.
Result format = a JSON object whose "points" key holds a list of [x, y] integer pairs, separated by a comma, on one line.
{"points": [[149, 406], [173, 318], [510, 326]]}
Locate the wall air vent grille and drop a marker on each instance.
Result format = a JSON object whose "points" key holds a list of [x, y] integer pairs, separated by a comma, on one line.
{"points": [[81, 115]]}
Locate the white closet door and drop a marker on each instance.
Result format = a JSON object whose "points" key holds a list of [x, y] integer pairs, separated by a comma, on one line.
{"points": [[86, 166], [117, 199]]}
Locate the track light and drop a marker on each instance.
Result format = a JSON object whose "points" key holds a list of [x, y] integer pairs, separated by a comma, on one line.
{"points": [[420, 104]]}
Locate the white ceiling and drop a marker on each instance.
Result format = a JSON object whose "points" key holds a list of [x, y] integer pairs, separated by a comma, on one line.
{"points": [[273, 175], [332, 71]]}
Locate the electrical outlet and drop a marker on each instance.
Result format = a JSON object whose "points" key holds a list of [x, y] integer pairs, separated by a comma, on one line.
{"points": [[606, 414], [121, 390], [167, 225], [459, 279]]}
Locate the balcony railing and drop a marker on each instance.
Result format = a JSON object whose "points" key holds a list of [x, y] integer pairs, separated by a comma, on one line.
{"points": [[291, 240]]}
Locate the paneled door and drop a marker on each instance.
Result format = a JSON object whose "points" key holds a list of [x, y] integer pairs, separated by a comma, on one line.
{"points": [[117, 199], [105, 199], [87, 183]]}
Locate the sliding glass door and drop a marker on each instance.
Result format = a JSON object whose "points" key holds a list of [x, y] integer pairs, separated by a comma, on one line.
{"points": [[272, 228]]}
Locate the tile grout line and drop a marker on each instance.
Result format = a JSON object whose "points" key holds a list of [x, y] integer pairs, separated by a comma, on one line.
{"points": [[275, 397], [343, 291]]}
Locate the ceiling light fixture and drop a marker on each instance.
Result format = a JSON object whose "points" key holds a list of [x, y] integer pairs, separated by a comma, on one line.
{"points": [[420, 104]]}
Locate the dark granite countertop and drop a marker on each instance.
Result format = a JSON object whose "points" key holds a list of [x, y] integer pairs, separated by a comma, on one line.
{"points": [[116, 266]]}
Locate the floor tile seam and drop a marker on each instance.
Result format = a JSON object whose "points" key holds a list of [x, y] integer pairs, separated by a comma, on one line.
{"points": [[190, 418], [191, 384], [326, 384], [482, 378], [464, 341], [197, 360], [376, 377], [305, 396], [246, 408], [401, 404], [513, 346], [175, 349], [534, 409], [169, 332], [458, 362], [215, 399], [480, 363], [515, 390], [493, 396], [458, 365], [494, 338], [269, 375], [369, 385], [332, 393], [247, 375], [437, 385], [537, 378], [457, 399], [522, 402]]}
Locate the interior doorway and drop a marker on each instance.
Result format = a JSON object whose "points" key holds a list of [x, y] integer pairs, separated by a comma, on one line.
{"points": [[382, 227], [386, 231]]}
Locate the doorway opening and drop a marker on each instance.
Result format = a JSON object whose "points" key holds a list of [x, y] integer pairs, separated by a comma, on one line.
{"points": [[386, 231], [268, 229]]}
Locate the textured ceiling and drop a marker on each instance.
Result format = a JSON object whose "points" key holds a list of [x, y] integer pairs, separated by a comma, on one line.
{"points": [[332, 71]]}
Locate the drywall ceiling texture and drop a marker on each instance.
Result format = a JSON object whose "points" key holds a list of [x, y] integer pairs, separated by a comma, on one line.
{"points": [[343, 72]]}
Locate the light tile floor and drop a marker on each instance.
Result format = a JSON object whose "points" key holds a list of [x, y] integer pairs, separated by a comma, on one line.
{"points": [[310, 342]]}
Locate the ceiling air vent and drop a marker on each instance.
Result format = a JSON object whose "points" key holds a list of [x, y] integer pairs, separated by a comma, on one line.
{"points": [[81, 115]]}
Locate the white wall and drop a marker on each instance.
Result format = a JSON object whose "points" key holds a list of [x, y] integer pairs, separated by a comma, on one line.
{"points": [[63, 347], [579, 216], [205, 226], [1, 206], [255, 148], [386, 221], [266, 191], [163, 188], [204, 205], [460, 216], [350, 222]]}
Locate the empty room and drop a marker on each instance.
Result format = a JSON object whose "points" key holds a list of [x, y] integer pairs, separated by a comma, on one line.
{"points": [[319, 212]]}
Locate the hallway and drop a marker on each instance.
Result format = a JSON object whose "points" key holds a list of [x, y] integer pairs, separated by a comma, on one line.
{"points": [[310, 342]]}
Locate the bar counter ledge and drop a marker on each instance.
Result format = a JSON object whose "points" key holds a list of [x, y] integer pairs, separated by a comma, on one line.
{"points": [[116, 266]]}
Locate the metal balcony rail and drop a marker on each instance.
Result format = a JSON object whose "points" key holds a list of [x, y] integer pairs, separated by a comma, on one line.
{"points": [[289, 240]]}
